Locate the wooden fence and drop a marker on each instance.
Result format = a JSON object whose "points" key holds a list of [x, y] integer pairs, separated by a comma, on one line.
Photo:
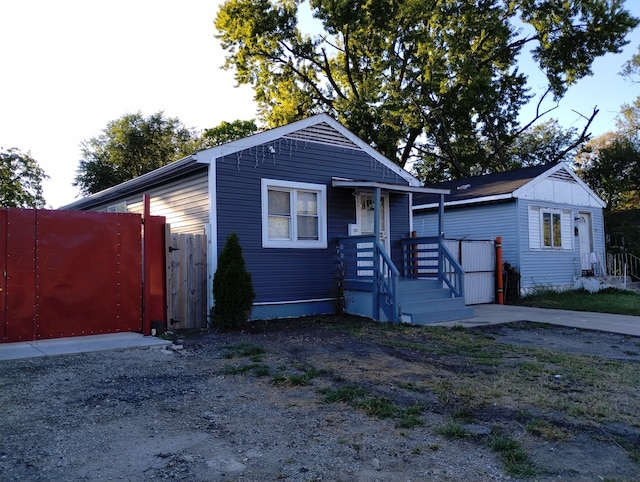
{"points": [[186, 281]]}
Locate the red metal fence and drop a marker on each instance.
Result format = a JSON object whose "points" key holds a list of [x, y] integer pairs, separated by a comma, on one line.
{"points": [[72, 273]]}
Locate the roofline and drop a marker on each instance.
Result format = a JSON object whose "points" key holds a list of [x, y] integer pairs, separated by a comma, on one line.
{"points": [[208, 156], [270, 135], [387, 186], [170, 171], [477, 200]]}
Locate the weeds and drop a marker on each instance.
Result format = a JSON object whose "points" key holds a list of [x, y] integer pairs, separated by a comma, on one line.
{"points": [[513, 456], [379, 407], [452, 430], [243, 349]]}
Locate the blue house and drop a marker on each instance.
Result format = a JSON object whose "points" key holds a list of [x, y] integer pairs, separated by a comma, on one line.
{"points": [[550, 221], [323, 220]]}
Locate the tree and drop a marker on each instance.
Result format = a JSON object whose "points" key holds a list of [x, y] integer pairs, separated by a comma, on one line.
{"points": [[545, 143], [131, 146], [232, 287], [20, 180], [611, 167], [227, 132], [436, 82]]}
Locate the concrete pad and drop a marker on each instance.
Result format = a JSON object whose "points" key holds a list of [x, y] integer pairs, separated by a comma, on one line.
{"points": [[77, 344], [494, 314]]}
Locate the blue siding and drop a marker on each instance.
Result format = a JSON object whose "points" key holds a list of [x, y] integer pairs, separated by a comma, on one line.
{"points": [[487, 221], [549, 267], [510, 220], [296, 274]]}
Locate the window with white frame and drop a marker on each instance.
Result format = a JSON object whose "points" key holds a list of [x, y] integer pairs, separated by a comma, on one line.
{"points": [[293, 214], [550, 228], [121, 207]]}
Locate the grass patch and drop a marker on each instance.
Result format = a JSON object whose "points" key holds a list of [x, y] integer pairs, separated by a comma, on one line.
{"points": [[300, 379], [452, 430], [244, 349], [513, 456], [547, 431], [609, 300], [373, 405]]}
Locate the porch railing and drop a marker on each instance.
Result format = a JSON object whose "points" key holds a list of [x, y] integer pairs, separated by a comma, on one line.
{"points": [[366, 266], [428, 257], [623, 264]]}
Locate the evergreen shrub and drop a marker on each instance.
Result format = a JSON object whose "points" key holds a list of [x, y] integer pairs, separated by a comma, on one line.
{"points": [[232, 287]]}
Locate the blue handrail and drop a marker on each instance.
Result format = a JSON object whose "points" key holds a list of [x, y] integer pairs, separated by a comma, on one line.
{"points": [[366, 265], [428, 257]]}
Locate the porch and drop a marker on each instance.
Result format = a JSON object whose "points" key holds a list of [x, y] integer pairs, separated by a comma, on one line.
{"points": [[427, 288]]}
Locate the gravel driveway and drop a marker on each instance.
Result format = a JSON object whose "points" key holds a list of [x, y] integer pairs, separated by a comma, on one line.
{"points": [[253, 406]]}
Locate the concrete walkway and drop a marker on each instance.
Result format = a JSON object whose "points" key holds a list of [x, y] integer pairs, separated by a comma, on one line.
{"points": [[77, 344], [493, 314]]}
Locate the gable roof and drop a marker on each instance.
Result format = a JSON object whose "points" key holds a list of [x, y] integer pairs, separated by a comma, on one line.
{"points": [[498, 186], [321, 128]]}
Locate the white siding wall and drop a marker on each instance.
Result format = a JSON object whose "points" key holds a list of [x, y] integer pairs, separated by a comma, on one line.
{"points": [[185, 203]]}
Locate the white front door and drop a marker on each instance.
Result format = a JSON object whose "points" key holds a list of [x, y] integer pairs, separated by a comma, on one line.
{"points": [[365, 205], [585, 241], [364, 216]]}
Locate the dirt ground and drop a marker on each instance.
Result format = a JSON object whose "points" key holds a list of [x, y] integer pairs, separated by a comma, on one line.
{"points": [[252, 406]]}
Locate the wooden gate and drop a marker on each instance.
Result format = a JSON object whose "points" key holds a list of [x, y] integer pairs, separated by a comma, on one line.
{"points": [[73, 273], [187, 284], [478, 260]]}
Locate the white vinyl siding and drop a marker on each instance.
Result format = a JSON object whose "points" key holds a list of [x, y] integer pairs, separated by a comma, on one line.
{"points": [[550, 229], [184, 203], [293, 214]]}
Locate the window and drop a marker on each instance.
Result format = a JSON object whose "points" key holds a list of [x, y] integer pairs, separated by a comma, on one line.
{"points": [[293, 215], [121, 207], [550, 228]]}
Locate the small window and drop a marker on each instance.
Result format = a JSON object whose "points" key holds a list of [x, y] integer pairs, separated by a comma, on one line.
{"points": [[121, 207], [550, 228], [293, 215]]}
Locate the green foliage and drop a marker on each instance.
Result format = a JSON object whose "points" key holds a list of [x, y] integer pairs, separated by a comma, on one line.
{"points": [[129, 147], [227, 132], [20, 180], [614, 172], [232, 287], [432, 82], [513, 455]]}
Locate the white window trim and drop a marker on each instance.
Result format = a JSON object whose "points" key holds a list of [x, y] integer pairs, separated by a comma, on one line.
{"points": [[321, 189], [120, 207], [552, 212], [537, 229]]}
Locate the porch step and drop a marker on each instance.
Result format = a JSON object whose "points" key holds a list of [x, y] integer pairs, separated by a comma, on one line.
{"points": [[418, 290], [435, 310], [425, 301]]}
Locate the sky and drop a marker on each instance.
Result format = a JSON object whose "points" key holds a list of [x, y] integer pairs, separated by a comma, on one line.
{"points": [[68, 67]]}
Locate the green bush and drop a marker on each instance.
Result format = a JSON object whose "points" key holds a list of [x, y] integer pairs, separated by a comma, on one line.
{"points": [[232, 287]]}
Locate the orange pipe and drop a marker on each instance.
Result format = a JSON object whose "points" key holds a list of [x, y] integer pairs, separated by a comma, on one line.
{"points": [[499, 280]]}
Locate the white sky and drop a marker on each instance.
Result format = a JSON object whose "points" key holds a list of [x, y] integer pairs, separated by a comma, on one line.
{"points": [[68, 67]]}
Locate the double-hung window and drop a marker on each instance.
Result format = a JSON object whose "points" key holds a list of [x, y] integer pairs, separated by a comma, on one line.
{"points": [[293, 214], [551, 229]]}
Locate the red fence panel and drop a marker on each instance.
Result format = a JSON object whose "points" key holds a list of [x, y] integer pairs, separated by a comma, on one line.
{"points": [[20, 232], [88, 273]]}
